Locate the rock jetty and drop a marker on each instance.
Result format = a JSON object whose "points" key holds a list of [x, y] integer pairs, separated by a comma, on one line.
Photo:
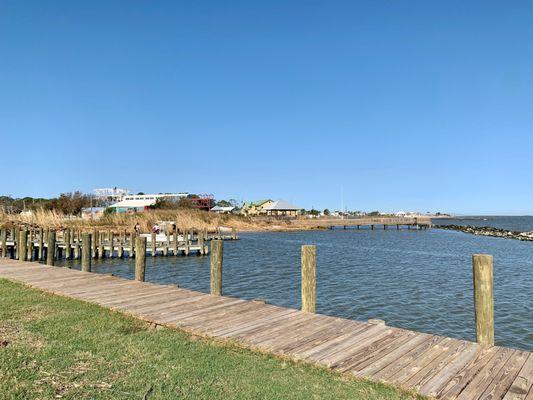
{"points": [[489, 231]]}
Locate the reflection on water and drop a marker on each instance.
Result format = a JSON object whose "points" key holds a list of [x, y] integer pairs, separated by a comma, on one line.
{"points": [[420, 280]]}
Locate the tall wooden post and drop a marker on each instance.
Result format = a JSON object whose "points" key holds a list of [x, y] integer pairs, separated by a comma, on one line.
{"points": [[233, 233], [309, 278], [94, 242], [153, 243], [4, 243], [68, 249], [22, 248], [186, 241], [110, 239], [51, 248], [86, 252], [30, 245], [133, 237], [175, 242], [140, 258], [483, 299], [217, 249], [201, 242], [40, 253]]}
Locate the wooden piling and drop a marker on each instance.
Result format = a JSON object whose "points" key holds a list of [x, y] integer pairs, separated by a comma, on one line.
{"points": [[201, 242], [30, 245], [86, 251], [140, 259], [22, 248], [101, 251], [110, 239], [94, 242], [175, 242], [186, 241], [40, 242], [233, 233], [4, 242], [68, 249], [76, 250], [309, 278], [51, 248], [483, 298], [153, 244], [133, 236], [217, 249]]}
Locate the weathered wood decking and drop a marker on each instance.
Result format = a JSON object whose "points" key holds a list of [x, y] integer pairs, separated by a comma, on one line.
{"points": [[432, 365]]}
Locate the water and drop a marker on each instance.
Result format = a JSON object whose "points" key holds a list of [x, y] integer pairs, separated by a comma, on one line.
{"points": [[514, 223], [419, 280]]}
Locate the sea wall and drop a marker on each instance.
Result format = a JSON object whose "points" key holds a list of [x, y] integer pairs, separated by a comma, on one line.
{"points": [[488, 231]]}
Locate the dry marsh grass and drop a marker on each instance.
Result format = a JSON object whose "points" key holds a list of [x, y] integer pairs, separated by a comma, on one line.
{"points": [[184, 219]]}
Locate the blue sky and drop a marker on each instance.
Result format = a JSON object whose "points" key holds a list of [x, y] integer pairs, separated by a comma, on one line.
{"points": [[400, 105]]}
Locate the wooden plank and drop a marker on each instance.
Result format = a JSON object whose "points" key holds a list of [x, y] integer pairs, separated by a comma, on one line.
{"points": [[253, 326], [390, 341], [319, 351], [523, 383], [484, 377], [337, 327], [433, 385], [505, 378], [363, 360], [406, 359], [428, 371], [351, 345], [455, 385]]}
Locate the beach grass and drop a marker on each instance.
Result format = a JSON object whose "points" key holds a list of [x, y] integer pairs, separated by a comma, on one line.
{"points": [[54, 347]]}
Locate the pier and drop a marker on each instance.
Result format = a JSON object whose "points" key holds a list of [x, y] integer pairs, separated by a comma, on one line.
{"points": [[372, 223], [33, 243], [432, 365]]}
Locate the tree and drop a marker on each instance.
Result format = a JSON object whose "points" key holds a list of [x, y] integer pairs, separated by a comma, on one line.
{"points": [[224, 203], [373, 214], [327, 212]]}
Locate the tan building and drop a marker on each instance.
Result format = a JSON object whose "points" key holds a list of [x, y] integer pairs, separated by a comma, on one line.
{"points": [[254, 208], [281, 208]]}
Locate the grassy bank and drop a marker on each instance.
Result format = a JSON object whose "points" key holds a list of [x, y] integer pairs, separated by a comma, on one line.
{"points": [[53, 347]]}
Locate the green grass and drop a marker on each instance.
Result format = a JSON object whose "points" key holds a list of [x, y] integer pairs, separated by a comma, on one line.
{"points": [[53, 347]]}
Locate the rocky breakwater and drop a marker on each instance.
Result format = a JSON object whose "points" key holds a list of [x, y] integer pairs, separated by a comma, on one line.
{"points": [[489, 231]]}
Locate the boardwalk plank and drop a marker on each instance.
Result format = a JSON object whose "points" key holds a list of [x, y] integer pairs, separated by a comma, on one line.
{"points": [[484, 377], [523, 383]]}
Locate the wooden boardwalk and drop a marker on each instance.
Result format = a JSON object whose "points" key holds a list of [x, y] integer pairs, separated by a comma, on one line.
{"points": [[431, 365]]}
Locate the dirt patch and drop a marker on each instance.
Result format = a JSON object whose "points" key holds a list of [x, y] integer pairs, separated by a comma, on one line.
{"points": [[12, 334]]}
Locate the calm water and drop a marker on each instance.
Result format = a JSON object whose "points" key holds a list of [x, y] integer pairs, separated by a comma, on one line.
{"points": [[420, 280], [521, 224]]}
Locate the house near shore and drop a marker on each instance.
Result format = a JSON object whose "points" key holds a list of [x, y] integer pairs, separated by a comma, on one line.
{"points": [[255, 208], [278, 208], [282, 208]]}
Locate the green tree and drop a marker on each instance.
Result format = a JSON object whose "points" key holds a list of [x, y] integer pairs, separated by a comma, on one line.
{"points": [[327, 212]]}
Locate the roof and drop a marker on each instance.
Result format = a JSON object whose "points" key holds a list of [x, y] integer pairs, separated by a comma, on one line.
{"points": [[282, 205], [256, 203], [134, 203], [219, 208]]}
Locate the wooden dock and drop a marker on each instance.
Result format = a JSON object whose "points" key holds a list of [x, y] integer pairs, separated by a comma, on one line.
{"points": [[416, 223], [32, 243], [432, 365]]}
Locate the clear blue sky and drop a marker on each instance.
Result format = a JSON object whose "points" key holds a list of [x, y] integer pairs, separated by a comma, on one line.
{"points": [[411, 105]]}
